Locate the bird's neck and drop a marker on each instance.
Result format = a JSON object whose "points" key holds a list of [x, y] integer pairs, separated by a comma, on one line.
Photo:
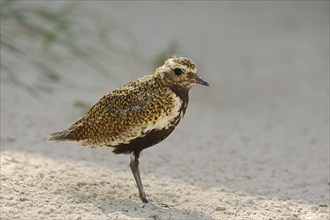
{"points": [[182, 93]]}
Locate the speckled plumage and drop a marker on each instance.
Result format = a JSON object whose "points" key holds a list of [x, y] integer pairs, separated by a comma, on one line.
{"points": [[139, 114], [124, 114]]}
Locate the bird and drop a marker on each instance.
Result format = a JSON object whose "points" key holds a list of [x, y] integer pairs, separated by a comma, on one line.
{"points": [[137, 115]]}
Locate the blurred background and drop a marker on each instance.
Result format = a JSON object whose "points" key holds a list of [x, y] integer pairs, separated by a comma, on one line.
{"points": [[261, 128]]}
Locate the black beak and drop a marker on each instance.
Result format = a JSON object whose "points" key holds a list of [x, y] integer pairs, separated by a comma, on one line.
{"points": [[201, 81]]}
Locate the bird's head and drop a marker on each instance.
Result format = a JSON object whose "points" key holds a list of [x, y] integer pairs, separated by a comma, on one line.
{"points": [[180, 71]]}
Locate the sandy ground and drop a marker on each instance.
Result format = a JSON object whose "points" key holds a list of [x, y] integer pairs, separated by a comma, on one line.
{"points": [[255, 145]]}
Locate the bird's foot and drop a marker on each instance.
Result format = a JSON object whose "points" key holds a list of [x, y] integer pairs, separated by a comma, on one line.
{"points": [[163, 205], [159, 204], [144, 200], [155, 204]]}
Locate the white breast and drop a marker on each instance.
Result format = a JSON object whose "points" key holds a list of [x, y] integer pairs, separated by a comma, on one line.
{"points": [[167, 118]]}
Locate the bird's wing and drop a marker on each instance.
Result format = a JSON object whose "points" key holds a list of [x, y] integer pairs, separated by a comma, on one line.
{"points": [[125, 114]]}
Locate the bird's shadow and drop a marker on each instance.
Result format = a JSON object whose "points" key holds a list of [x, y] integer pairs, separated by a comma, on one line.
{"points": [[134, 208]]}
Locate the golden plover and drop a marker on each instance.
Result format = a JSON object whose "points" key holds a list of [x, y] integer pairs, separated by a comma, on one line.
{"points": [[137, 115]]}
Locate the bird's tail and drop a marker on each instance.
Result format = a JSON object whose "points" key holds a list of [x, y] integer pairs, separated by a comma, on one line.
{"points": [[66, 135]]}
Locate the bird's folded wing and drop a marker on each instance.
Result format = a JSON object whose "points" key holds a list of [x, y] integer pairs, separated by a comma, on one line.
{"points": [[123, 115]]}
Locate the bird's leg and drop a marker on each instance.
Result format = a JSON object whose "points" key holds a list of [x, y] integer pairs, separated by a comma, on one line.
{"points": [[134, 164]]}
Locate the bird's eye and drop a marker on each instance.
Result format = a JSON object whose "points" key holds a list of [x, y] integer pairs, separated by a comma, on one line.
{"points": [[178, 71]]}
